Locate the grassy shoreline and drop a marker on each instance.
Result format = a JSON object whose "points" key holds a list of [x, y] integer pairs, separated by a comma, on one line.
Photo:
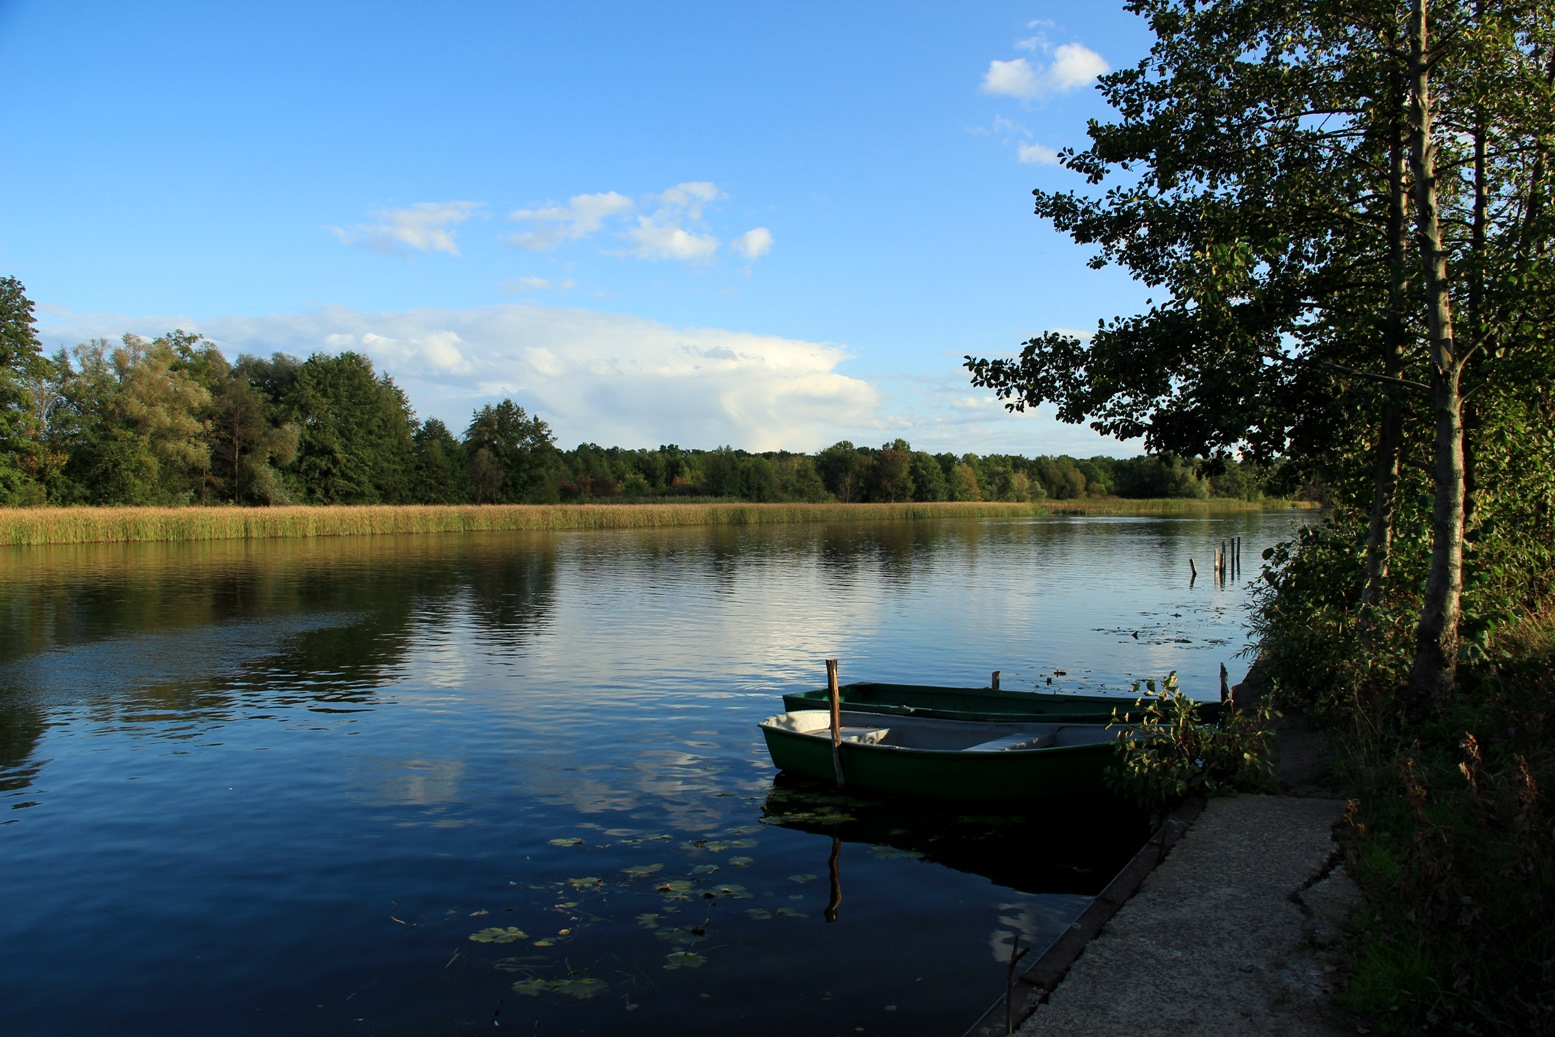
{"points": [[28, 527]]}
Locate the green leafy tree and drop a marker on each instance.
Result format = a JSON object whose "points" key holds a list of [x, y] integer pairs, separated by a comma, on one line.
{"points": [[442, 466], [928, 478], [892, 474], [355, 430], [1346, 209], [519, 451], [22, 455]]}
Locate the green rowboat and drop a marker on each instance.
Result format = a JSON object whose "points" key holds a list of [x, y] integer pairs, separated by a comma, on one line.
{"points": [[986, 704], [944, 759]]}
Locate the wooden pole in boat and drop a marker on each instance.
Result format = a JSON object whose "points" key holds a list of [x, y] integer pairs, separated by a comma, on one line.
{"points": [[835, 874], [994, 683], [835, 696]]}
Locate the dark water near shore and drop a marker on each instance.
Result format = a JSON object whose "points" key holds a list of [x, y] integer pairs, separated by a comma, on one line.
{"points": [[276, 787]]}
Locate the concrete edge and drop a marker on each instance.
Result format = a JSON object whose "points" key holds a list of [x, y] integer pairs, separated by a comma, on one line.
{"points": [[1034, 985]]}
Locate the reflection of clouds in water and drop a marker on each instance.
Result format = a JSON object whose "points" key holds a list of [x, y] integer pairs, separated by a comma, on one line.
{"points": [[410, 782], [440, 653], [1030, 917], [205, 657]]}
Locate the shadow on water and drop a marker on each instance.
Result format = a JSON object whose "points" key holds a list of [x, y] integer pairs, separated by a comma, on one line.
{"points": [[1052, 846]]}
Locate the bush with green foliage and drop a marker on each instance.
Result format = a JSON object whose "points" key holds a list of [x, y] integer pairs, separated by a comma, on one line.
{"points": [[1169, 752]]}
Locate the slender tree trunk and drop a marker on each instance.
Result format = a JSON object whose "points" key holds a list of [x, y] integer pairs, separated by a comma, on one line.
{"points": [[1436, 639], [1384, 502]]}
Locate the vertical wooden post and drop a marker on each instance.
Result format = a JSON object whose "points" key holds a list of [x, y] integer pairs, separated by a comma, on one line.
{"points": [[1193, 572], [993, 684], [836, 719], [834, 872]]}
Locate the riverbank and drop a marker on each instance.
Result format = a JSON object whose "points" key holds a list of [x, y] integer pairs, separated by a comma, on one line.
{"points": [[40, 526], [1237, 928]]}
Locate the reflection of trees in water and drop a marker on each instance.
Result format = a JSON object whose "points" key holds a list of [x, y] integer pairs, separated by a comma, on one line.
{"points": [[21, 727], [172, 634]]}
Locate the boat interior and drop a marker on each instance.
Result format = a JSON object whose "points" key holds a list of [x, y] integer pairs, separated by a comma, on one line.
{"points": [[947, 735]]}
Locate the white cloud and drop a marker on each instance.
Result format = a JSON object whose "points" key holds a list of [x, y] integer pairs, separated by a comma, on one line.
{"points": [[665, 234], [1012, 79], [754, 243], [581, 216], [1073, 65], [1038, 153], [424, 227], [605, 378]]}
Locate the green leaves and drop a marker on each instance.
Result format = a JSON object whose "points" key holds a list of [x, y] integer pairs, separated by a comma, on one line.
{"points": [[508, 934], [1170, 753]]}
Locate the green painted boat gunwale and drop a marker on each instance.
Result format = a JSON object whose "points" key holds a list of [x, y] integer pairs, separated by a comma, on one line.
{"points": [[978, 704]]}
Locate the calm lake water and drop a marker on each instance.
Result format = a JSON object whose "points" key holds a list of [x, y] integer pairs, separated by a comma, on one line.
{"points": [[277, 787]]}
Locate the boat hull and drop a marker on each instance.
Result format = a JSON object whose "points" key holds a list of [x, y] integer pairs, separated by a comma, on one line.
{"points": [[1012, 774]]}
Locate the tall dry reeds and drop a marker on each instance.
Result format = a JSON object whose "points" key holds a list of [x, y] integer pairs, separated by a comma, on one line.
{"points": [[36, 526]]}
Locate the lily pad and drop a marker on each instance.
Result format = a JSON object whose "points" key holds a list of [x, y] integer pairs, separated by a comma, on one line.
{"points": [[583, 987], [574, 841], [729, 889], [684, 960], [586, 882], [759, 914], [498, 935], [679, 937], [545, 941], [802, 879], [743, 830], [642, 871], [647, 921], [704, 869], [674, 886], [740, 862]]}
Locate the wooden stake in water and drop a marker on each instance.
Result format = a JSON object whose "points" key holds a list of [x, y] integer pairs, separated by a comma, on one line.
{"points": [[1193, 572], [836, 719], [993, 684], [834, 872]]}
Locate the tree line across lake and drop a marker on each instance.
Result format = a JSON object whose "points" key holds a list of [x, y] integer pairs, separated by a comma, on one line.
{"points": [[173, 421]]}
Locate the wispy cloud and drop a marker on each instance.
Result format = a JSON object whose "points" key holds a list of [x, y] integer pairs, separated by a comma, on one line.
{"points": [[423, 227], [581, 216], [1037, 153], [1072, 65], [675, 228], [754, 243], [538, 284]]}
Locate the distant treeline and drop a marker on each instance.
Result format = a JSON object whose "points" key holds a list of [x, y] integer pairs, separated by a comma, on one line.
{"points": [[171, 421]]}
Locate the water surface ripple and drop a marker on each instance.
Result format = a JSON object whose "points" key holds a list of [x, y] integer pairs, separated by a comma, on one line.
{"points": [[279, 786]]}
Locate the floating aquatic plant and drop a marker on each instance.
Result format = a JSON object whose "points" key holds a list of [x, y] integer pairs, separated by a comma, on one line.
{"points": [[499, 935]]}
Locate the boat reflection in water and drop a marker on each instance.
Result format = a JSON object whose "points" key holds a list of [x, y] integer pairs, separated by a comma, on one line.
{"points": [[1069, 845]]}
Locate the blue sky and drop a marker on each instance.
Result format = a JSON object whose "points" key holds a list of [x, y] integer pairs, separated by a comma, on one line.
{"points": [[769, 225]]}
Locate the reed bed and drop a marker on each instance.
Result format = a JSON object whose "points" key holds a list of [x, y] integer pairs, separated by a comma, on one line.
{"points": [[40, 526]]}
